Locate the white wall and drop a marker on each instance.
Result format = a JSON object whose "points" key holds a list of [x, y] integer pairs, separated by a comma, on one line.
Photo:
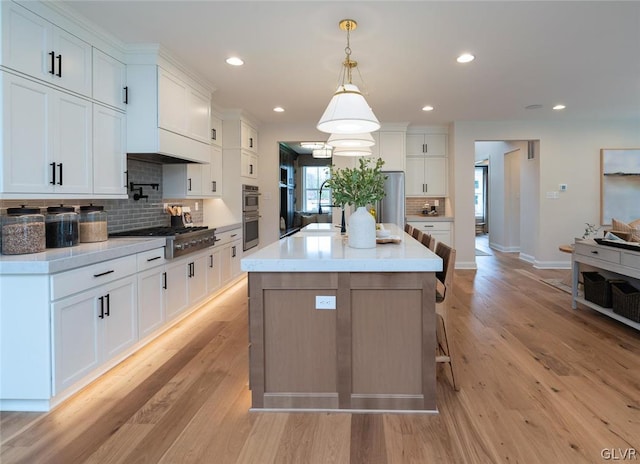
{"points": [[569, 153], [530, 203]]}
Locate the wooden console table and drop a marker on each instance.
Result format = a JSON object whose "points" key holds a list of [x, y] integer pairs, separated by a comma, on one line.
{"points": [[610, 262]]}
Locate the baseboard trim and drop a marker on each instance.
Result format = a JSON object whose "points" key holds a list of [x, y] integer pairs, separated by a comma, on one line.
{"points": [[552, 264], [466, 265], [503, 249], [527, 258]]}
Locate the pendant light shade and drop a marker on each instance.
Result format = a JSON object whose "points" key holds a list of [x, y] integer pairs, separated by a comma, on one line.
{"points": [[361, 151], [351, 140], [348, 112], [322, 152]]}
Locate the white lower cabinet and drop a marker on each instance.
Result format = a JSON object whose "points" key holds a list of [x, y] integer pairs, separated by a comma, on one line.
{"points": [[91, 328], [213, 270], [441, 231], [197, 273], [151, 300], [176, 283]]}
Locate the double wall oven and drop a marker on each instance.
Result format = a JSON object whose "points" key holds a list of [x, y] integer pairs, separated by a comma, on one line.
{"points": [[250, 216]]}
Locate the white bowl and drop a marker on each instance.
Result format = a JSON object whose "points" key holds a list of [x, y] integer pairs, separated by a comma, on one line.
{"points": [[382, 233]]}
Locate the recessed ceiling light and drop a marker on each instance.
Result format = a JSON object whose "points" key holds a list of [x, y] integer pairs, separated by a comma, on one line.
{"points": [[427, 108], [465, 58], [235, 61], [559, 107], [278, 109]]}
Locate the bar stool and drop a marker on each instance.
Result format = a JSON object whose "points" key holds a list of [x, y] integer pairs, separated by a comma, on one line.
{"points": [[429, 241], [444, 288]]}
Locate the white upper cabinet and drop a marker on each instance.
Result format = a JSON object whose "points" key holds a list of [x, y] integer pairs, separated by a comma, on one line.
{"points": [[109, 80], [167, 113], [427, 144], [38, 48], [47, 139], [390, 146], [216, 130], [109, 151], [249, 137]]}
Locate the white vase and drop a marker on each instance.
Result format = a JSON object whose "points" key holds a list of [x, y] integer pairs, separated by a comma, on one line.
{"points": [[362, 229]]}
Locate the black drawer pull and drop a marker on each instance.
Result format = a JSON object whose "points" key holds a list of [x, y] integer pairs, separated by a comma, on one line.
{"points": [[595, 252], [107, 312], [101, 316], [233, 235], [153, 259], [52, 70], [103, 273], [164, 280]]}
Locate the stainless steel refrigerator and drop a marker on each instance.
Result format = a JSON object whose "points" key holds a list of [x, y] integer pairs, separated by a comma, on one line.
{"points": [[391, 208]]}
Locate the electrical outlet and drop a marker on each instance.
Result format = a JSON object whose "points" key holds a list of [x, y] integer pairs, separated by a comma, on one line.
{"points": [[436, 202], [197, 206], [325, 302], [165, 206]]}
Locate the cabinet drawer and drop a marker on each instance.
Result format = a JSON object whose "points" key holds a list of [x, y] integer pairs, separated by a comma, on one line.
{"points": [[598, 252], [152, 258], [84, 278], [227, 236], [631, 260], [431, 226]]}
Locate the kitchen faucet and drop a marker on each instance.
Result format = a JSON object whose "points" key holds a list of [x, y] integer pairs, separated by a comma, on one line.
{"points": [[320, 197]]}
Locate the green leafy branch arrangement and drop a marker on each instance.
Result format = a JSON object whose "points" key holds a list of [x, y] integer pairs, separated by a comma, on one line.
{"points": [[359, 186]]}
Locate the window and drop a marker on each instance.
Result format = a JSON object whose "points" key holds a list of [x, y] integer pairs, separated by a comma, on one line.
{"points": [[313, 177]]}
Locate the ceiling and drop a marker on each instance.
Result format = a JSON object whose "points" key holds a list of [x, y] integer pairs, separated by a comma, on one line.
{"points": [[584, 54]]}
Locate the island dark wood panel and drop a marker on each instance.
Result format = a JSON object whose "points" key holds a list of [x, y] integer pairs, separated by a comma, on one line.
{"points": [[375, 351]]}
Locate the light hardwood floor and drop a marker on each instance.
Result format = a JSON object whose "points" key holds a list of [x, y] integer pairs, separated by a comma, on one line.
{"points": [[540, 383]]}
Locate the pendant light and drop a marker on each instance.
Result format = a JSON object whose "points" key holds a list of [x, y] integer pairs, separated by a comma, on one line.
{"points": [[348, 112], [351, 140], [322, 152], [360, 151]]}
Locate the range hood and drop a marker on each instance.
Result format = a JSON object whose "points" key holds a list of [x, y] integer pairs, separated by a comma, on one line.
{"points": [[158, 158], [165, 147]]}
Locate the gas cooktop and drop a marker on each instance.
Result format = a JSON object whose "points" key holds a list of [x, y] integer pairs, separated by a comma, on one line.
{"points": [[180, 240]]}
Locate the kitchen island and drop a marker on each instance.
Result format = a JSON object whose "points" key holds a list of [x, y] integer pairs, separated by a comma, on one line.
{"points": [[337, 328]]}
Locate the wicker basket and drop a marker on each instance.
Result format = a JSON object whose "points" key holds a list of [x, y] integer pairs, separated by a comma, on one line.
{"points": [[626, 300], [597, 289]]}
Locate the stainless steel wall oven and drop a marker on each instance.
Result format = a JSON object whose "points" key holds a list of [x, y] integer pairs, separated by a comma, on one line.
{"points": [[250, 216]]}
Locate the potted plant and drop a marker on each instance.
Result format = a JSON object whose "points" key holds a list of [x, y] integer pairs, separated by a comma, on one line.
{"points": [[360, 187]]}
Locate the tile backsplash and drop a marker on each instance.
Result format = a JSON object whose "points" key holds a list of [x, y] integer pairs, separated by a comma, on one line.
{"points": [[415, 205], [127, 213]]}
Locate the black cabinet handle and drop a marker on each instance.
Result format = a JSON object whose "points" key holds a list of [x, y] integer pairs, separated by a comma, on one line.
{"points": [[211, 261], [233, 235], [594, 252], [426, 188], [53, 173], [164, 280], [101, 315], [154, 258], [106, 297], [251, 169], [426, 148], [103, 273], [53, 63], [126, 176], [233, 251], [192, 271], [214, 186], [250, 142], [59, 58], [189, 181], [126, 95], [214, 134], [60, 167]]}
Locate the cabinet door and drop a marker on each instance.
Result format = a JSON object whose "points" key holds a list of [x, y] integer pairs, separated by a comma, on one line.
{"points": [[414, 176], [199, 124], [109, 80], [176, 291], [248, 164], [216, 130], [109, 151], [120, 329], [198, 278], [76, 325], [213, 270], [435, 176], [25, 37], [213, 184], [415, 144], [236, 256], [151, 300], [392, 150], [194, 179], [435, 144], [27, 142], [72, 60], [173, 95], [249, 137], [225, 264], [72, 123]]}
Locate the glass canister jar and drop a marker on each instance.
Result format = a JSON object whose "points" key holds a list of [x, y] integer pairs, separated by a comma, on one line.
{"points": [[93, 224], [23, 231], [61, 224]]}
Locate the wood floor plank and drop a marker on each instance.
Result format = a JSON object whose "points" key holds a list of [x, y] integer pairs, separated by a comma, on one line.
{"points": [[540, 382]]}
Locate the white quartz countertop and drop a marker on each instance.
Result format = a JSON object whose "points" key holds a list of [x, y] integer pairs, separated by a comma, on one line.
{"points": [[328, 251], [425, 218], [54, 260]]}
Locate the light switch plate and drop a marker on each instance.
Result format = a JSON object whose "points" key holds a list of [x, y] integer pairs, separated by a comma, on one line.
{"points": [[325, 302]]}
